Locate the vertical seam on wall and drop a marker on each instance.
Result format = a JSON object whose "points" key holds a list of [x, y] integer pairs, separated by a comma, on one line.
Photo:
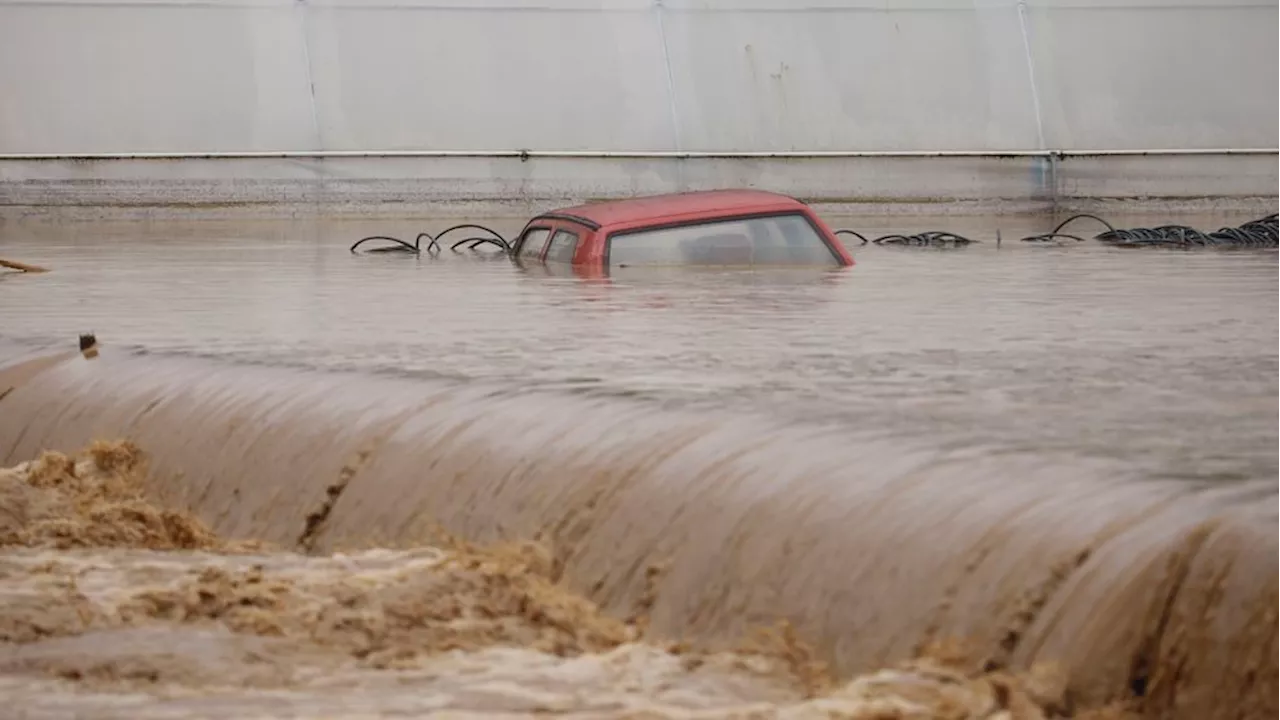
{"points": [[1048, 175], [311, 81], [1031, 72], [671, 80]]}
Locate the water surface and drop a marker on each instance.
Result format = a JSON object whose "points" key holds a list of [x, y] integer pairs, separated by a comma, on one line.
{"points": [[1163, 358]]}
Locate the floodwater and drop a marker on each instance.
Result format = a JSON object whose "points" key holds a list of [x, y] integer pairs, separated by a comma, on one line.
{"points": [[1061, 454], [1163, 358]]}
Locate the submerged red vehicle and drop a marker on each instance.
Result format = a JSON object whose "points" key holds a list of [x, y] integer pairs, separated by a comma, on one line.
{"points": [[715, 227]]}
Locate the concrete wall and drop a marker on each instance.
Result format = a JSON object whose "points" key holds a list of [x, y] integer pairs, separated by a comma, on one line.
{"points": [[196, 76]]}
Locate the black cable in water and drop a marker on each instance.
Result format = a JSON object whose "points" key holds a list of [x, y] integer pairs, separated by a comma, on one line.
{"points": [[929, 238], [496, 238], [855, 233], [400, 246], [434, 247], [1057, 232]]}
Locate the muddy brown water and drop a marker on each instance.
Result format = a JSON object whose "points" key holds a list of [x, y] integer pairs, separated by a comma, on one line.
{"points": [[1062, 453]]}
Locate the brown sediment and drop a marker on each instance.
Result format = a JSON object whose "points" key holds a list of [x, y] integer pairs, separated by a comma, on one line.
{"points": [[162, 620], [872, 549], [316, 519], [57, 501]]}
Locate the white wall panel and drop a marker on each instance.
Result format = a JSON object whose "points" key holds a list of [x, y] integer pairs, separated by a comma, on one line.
{"points": [[946, 77], [99, 77], [1119, 74], [421, 76], [90, 77], [102, 76]]}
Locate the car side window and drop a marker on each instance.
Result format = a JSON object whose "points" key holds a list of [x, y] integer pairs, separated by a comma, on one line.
{"points": [[533, 242], [563, 245], [785, 239]]}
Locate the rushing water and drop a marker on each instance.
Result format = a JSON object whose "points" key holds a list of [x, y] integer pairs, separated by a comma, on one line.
{"points": [[115, 608], [1165, 359]]}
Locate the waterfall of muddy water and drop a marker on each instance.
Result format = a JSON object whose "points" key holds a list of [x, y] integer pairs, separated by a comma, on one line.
{"points": [[113, 607], [871, 546]]}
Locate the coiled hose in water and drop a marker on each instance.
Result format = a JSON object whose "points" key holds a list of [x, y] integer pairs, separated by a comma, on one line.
{"points": [[1256, 233], [433, 246], [1261, 233], [1264, 232]]}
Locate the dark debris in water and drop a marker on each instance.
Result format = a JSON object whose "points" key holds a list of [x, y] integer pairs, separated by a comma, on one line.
{"points": [[1261, 233]]}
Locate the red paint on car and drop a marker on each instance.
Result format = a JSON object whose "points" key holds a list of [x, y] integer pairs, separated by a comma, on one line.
{"points": [[715, 227]]}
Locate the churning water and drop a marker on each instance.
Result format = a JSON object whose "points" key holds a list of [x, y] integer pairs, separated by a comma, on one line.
{"points": [[1059, 453]]}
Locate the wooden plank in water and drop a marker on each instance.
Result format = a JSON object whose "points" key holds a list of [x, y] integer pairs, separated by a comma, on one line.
{"points": [[14, 265]]}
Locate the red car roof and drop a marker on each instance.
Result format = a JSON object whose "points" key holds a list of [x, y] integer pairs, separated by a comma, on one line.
{"points": [[663, 207]]}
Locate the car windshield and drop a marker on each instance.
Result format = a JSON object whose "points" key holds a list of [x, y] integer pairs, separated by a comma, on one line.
{"points": [[770, 240]]}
